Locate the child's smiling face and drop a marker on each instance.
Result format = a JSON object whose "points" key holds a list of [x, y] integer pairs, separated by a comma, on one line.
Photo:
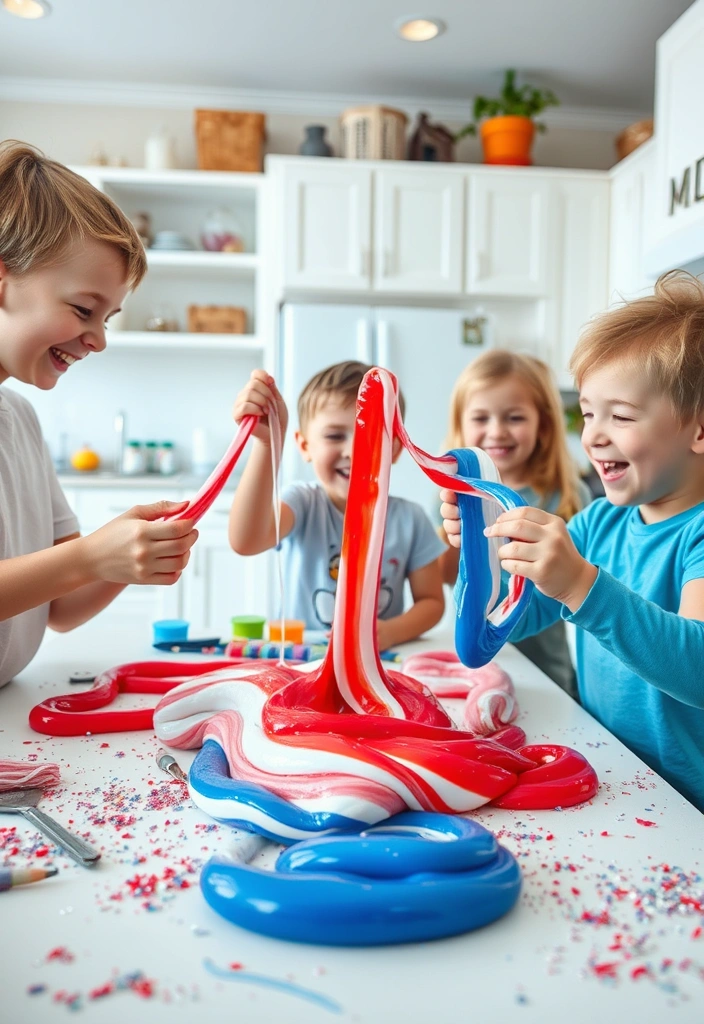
{"points": [[327, 445], [54, 316], [643, 454], [501, 418]]}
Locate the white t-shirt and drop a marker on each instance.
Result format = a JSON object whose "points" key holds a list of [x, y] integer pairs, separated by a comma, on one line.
{"points": [[33, 514], [312, 554]]}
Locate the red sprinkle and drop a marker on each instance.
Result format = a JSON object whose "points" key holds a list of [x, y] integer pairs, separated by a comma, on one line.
{"points": [[646, 823]]}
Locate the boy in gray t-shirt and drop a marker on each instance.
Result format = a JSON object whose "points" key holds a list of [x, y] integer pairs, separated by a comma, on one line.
{"points": [[312, 514], [68, 257]]}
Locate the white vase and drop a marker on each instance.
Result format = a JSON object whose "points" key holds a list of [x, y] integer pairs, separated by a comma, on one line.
{"points": [[159, 152]]}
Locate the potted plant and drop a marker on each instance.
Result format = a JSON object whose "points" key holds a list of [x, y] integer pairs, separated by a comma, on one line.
{"points": [[506, 124]]}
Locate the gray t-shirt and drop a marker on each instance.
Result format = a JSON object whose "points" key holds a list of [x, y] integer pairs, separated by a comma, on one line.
{"points": [[33, 514], [312, 554]]}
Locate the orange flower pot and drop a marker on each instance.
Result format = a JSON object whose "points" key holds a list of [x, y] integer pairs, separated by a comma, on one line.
{"points": [[507, 140]]}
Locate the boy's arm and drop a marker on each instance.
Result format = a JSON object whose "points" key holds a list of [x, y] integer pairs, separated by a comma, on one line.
{"points": [[426, 611], [134, 548], [666, 649], [74, 609], [251, 527]]}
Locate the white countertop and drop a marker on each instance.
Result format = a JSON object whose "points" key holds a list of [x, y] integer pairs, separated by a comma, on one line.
{"points": [[589, 873], [176, 481]]}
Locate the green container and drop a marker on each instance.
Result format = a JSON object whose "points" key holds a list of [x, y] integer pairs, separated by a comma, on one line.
{"points": [[248, 627]]}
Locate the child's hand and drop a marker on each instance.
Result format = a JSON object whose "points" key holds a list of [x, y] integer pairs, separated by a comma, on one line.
{"points": [[135, 548], [256, 397], [384, 634], [540, 548], [449, 510]]}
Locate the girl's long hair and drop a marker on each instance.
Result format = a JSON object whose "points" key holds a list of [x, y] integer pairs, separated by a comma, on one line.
{"points": [[549, 469]]}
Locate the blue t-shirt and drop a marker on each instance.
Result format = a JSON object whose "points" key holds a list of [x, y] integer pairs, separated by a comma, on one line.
{"points": [[639, 663], [312, 554]]}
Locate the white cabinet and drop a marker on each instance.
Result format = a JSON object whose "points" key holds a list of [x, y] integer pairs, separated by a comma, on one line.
{"points": [[418, 216], [217, 583], [579, 259], [507, 234], [327, 226], [630, 211]]}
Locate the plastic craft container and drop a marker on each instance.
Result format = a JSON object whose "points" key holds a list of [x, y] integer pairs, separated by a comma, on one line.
{"points": [[169, 630], [248, 627], [293, 630]]}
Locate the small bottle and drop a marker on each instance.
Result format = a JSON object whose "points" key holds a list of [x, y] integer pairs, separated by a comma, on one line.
{"points": [[151, 457], [166, 458], [133, 461]]}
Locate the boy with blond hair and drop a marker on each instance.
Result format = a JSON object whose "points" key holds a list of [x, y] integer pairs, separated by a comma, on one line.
{"points": [[628, 571], [68, 257], [312, 514]]}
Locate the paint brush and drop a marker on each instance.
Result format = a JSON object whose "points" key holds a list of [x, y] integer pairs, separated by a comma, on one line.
{"points": [[10, 877]]}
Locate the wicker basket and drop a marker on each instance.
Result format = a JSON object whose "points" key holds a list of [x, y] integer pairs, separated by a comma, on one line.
{"points": [[633, 137], [229, 140], [217, 320], [373, 133]]}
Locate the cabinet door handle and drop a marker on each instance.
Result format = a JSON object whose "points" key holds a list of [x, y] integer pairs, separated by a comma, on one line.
{"points": [[388, 263], [366, 263]]}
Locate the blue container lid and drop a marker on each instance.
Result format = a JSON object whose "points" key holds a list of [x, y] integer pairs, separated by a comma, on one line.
{"points": [[170, 629]]}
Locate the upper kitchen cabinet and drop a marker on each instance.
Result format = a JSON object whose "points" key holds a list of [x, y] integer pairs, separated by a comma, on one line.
{"points": [[579, 265], [507, 234], [630, 207], [418, 218], [327, 219]]}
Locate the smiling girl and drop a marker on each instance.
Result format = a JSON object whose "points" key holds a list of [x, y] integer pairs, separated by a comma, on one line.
{"points": [[507, 405]]}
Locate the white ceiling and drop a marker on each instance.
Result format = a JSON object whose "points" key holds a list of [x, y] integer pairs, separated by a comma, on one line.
{"points": [[595, 54]]}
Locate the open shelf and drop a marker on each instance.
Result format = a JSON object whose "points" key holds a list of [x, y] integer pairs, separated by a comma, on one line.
{"points": [[182, 339], [243, 262]]}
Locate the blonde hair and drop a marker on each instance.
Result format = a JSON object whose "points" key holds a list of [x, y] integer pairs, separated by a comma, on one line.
{"points": [[44, 207], [342, 381], [661, 335], [549, 469]]}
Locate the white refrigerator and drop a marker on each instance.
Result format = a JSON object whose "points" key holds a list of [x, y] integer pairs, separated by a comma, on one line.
{"points": [[426, 349]]}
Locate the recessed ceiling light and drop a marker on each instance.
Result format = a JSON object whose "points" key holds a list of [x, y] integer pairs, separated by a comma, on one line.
{"points": [[27, 8], [418, 28]]}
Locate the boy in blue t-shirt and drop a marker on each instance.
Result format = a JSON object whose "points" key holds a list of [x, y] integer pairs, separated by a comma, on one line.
{"points": [[629, 569], [312, 514]]}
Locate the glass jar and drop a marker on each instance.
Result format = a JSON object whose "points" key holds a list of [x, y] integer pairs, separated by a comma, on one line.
{"points": [[133, 459], [150, 457], [166, 458], [221, 232]]}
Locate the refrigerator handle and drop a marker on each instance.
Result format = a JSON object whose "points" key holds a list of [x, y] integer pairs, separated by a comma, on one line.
{"points": [[364, 340], [383, 341]]}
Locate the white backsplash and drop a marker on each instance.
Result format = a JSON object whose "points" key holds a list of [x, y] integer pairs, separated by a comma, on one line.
{"points": [[164, 395]]}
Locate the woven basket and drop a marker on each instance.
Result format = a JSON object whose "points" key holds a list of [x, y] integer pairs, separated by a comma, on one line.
{"points": [[217, 320], [633, 137], [373, 133], [229, 140]]}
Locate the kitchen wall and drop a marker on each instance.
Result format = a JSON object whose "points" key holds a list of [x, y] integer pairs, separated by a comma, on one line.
{"points": [[163, 397], [70, 133]]}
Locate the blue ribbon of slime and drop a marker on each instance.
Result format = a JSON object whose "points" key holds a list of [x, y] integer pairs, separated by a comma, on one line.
{"points": [[415, 876], [477, 639]]}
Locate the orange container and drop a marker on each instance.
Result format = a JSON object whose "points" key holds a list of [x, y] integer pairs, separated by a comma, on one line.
{"points": [[293, 631], [507, 140]]}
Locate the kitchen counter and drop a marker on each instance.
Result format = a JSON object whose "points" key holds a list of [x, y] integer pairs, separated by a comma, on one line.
{"points": [[608, 926], [175, 482]]}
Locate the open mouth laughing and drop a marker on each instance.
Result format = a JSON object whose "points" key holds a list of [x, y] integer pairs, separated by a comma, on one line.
{"points": [[62, 360]]}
